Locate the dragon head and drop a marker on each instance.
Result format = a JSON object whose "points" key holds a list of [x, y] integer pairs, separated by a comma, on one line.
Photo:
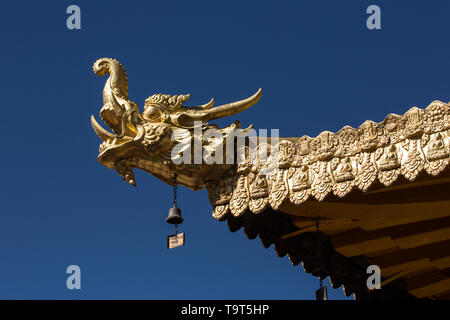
{"points": [[162, 139]]}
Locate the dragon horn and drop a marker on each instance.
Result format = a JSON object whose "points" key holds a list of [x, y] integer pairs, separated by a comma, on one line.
{"points": [[207, 105], [232, 108], [102, 133]]}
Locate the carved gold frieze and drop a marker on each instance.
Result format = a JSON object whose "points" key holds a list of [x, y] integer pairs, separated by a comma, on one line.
{"points": [[337, 163]]}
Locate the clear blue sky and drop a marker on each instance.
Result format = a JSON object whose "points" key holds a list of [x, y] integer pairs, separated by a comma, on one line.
{"points": [[320, 69]]}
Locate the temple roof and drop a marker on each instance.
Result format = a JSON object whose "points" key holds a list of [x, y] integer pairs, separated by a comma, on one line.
{"points": [[378, 195], [339, 202]]}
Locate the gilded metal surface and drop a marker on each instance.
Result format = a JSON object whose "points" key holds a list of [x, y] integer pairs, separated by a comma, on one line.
{"points": [[337, 163], [307, 168], [146, 140]]}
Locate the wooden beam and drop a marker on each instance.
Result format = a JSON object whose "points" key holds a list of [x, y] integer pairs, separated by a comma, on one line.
{"points": [[434, 288], [364, 247], [405, 236], [443, 295], [406, 268], [431, 251], [419, 280]]}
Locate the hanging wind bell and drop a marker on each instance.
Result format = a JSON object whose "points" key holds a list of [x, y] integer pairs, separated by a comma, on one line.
{"points": [[174, 217], [321, 293]]}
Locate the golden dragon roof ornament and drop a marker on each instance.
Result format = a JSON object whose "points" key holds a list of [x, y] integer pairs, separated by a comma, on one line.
{"points": [[374, 155], [147, 140]]}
